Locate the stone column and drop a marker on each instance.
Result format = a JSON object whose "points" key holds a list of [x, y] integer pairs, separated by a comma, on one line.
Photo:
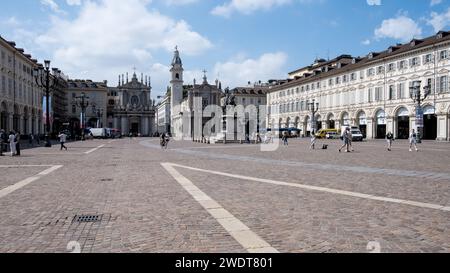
{"points": [[116, 123], [442, 127], [144, 126], [30, 124], [390, 126], [370, 128], [124, 126], [324, 125], [10, 121]]}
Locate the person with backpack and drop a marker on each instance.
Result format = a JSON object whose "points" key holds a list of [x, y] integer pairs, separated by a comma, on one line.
{"points": [[389, 139], [166, 139]]}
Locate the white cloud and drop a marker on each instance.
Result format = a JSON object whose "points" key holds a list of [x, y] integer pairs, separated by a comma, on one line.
{"points": [[235, 73], [73, 2], [246, 6], [366, 42], [179, 2], [374, 2], [439, 20], [109, 37], [400, 28], [52, 5], [435, 2]]}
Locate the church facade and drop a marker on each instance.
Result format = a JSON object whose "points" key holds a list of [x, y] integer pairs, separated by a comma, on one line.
{"points": [[134, 111], [187, 99]]}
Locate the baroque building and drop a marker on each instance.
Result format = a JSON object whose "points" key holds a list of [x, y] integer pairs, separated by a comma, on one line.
{"points": [[20, 97], [371, 92], [134, 111], [186, 99]]}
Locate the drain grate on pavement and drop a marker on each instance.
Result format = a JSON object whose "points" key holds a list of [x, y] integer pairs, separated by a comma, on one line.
{"points": [[87, 218]]}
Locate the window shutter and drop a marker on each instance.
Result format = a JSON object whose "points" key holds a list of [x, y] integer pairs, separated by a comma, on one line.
{"points": [[438, 86]]}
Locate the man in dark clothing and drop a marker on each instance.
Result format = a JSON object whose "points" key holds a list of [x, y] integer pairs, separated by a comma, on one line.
{"points": [[18, 143]]}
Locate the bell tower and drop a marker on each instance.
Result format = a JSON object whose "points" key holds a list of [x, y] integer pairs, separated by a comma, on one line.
{"points": [[176, 85]]}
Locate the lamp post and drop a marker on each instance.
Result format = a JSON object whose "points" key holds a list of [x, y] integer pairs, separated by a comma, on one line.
{"points": [[43, 80], [314, 108], [417, 97], [83, 103]]}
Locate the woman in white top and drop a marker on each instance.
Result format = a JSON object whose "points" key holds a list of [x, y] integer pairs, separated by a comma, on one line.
{"points": [[413, 141], [12, 143]]}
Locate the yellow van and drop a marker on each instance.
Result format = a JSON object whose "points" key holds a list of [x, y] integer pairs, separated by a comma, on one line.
{"points": [[322, 134]]}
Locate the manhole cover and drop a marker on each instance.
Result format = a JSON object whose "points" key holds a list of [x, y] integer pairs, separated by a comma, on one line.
{"points": [[87, 218]]}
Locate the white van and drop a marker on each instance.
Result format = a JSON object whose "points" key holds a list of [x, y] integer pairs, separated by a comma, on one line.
{"points": [[99, 132]]}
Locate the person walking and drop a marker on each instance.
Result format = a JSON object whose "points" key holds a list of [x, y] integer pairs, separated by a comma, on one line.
{"points": [[389, 139], [38, 140], [413, 140], [166, 140], [162, 141], [350, 139], [12, 143], [62, 140], [18, 143], [30, 140], [285, 139], [2, 140], [345, 140]]}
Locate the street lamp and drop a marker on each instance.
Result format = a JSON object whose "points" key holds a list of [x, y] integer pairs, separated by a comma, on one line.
{"points": [[416, 95], [83, 103], [43, 80], [314, 108]]}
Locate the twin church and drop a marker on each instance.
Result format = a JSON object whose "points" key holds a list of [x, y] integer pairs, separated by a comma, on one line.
{"points": [[134, 111]]}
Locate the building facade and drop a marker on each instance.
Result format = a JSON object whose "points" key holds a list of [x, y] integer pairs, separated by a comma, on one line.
{"points": [[187, 99], [95, 114], [372, 92], [20, 97], [135, 109], [162, 118]]}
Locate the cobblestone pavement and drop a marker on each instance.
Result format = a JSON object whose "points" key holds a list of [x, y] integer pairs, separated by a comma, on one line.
{"points": [[293, 199]]}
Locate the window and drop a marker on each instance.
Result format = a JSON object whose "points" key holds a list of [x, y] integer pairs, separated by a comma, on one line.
{"points": [[297, 106], [303, 89], [313, 86], [414, 62], [369, 95], [330, 82], [443, 55], [380, 70], [361, 75], [307, 87], [428, 58], [370, 72], [391, 67], [318, 85], [401, 65], [443, 84], [401, 91], [391, 92], [378, 94], [344, 78], [353, 77], [338, 80]]}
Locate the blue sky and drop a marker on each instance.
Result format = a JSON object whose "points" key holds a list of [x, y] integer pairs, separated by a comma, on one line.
{"points": [[235, 40]]}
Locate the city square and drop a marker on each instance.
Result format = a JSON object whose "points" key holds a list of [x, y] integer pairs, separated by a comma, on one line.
{"points": [[232, 198], [240, 127]]}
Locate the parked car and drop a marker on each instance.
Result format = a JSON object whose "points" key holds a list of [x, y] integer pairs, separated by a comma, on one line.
{"points": [[356, 134], [322, 133], [99, 132], [332, 135]]}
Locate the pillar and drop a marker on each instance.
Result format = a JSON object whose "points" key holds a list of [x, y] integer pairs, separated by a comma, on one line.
{"points": [[10, 121], [390, 126], [324, 125], [442, 127], [124, 126], [370, 129], [30, 124]]}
